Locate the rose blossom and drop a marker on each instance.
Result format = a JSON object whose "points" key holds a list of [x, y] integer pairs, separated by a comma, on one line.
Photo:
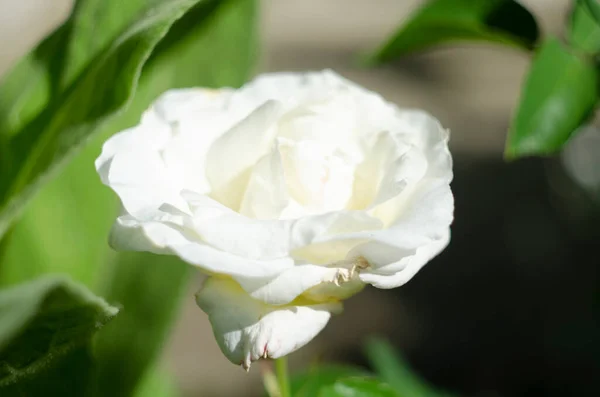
{"points": [[291, 193]]}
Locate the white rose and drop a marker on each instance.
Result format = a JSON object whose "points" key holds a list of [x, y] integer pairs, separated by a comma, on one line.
{"points": [[291, 193]]}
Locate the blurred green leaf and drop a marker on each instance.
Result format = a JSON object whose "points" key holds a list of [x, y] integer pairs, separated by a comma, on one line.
{"points": [[149, 287], [594, 8], [104, 89], [65, 227], [309, 383], [42, 321], [558, 95], [27, 87], [23, 93], [441, 21], [584, 29], [58, 59], [390, 366], [93, 25], [51, 381], [357, 387]]}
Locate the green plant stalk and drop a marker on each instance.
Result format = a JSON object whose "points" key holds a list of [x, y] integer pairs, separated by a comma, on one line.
{"points": [[281, 371], [270, 382]]}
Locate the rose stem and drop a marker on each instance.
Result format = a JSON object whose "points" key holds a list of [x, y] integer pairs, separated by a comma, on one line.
{"points": [[281, 371]]}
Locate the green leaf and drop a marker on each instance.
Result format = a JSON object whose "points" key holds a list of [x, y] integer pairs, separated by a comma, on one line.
{"points": [[309, 383], [58, 59], [42, 321], [584, 29], [390, 367], [65, 227], [103, 90], [51, 380], [223, 52], [357, 387], [150, 288], [558, 95], [444, 21], [26, 89], [594, 8], [85, 40], [23, 93]]}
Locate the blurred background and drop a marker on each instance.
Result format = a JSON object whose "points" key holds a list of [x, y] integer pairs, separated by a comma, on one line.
{"points": [[509, 309]]}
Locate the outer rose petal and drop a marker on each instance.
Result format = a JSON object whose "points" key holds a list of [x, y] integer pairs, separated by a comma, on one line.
{"points": [[297, 280], [398, 273], [247, 330], [131, 162], [164, 232]]}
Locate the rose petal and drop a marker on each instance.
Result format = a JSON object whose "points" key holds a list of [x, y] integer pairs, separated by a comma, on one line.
{"points": [[165, 232], [158, 231], [398, 273], [247, 330], [266, 195], [288, 285], [151, 136], [423, 131], [232, 232], [215, 261], [317, 176], [423, 219], [149, 164], [231, 157], [143, 182], [292, 89], [174, 106]]}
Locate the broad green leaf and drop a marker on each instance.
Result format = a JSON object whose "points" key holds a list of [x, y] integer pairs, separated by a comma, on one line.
{"points": [[222, 52], [58, 59], [594, 8], [42, 321], [65, 227], [444, 21], [23, 93], [391, 368], [357, 387], [27, 88], [584, 30], [86, 40], [309, 383], [51, 381], [558, 95], [103, 90]]}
